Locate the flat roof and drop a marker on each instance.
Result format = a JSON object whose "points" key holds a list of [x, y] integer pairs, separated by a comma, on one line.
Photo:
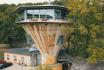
{"points": [[21, 51], [30, 7]]}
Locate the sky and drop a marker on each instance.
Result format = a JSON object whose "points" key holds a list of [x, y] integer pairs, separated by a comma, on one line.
{"points": [[22, 1]]}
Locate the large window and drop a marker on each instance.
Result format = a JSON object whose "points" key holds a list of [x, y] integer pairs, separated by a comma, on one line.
{"points": [[57, 14], [43, 14], [50, 13], [47, 13], [21, 16], [30, 14], [36, 14], [40, 14]]}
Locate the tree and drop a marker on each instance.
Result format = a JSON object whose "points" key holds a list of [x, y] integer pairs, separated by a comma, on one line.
{"points": [[8, 28], [59, 2], [86, 17]]}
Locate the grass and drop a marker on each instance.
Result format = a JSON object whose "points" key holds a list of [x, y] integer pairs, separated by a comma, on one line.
{"points": [[43, 67]]}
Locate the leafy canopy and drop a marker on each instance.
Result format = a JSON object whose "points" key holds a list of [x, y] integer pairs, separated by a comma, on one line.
{"points": [[87, 38]]}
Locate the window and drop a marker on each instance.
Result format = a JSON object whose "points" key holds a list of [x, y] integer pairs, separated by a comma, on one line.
{"points": [[46, 13], [30, 14], [49, 17], [8, 57], [60, 40], [43, 13], [21, 16], [15, 58], [50, 13], [57, 14], [22, 60], [36, 14], [40, 14]]}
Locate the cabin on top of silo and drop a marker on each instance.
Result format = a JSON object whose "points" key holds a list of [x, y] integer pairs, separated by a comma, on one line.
{"points": [[45, 24], [42, 13]]}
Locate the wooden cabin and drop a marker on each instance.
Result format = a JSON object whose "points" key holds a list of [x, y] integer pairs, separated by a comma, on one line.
{"points": [[42, 13]]}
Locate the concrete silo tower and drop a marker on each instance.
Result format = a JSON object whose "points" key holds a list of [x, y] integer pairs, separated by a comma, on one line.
{"points": [[44, 24]]}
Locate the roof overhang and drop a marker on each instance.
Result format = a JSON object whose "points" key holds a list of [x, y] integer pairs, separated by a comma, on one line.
{"points": [[30, 7], [48, 21]]}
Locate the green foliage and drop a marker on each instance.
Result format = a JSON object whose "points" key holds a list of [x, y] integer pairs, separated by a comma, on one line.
{"points": [[1, 54], [55, 2], [8, 28], [96, 54], [87, 38], [59, 2]]}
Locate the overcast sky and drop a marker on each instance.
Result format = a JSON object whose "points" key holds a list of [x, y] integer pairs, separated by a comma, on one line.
{"points": [[22, 1]]}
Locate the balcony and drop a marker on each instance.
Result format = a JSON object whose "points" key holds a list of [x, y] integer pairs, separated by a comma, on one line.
{"points": [[41, 21]]}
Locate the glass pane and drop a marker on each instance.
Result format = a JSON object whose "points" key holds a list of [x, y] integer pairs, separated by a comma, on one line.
{"points": [[36, 14], [47, 13], [21, 16], [57, 14], [42, 16], [43, 13], [30, 14], [49, 17], [50, 13]]}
